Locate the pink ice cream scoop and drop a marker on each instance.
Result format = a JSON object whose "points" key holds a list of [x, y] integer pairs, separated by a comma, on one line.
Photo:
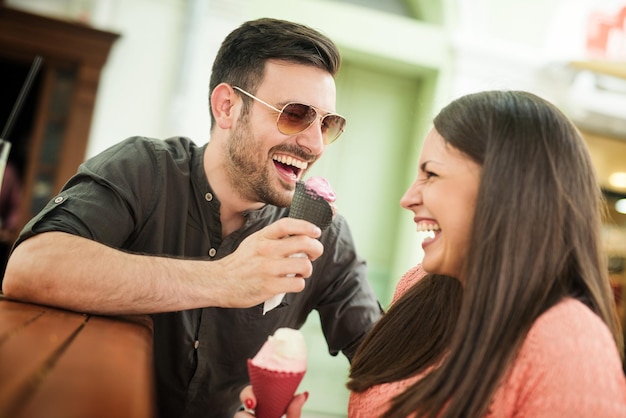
{"points": [[321, 187], [276, 371]]}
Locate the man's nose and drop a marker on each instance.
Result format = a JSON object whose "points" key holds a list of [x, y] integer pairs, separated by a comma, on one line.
{"points": [[312, 138]]}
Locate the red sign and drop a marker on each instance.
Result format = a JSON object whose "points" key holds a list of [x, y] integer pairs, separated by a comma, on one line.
{"points": [[606, 35]]}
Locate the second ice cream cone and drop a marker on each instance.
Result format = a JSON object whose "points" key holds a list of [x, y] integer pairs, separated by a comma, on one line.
{"points": [[273, 390], [276, 371]]}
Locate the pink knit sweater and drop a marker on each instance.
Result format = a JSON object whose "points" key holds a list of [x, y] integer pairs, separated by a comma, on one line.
{"points": [[568, 366]]}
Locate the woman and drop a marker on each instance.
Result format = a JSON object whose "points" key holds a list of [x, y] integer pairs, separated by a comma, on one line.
{"points": [[519, 319]]}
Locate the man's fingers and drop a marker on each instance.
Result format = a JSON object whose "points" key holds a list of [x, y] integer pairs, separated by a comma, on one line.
{"points": [[289, 226]]}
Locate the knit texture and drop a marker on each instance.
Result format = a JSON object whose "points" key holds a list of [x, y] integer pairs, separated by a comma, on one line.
{"points": [[568, 366]]}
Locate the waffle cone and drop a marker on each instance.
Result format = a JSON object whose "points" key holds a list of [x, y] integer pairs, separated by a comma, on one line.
{"points": [[310, 206], [273, 390]]}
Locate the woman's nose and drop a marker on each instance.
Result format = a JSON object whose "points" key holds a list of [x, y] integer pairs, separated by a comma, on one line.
{"points": [[412, 196]]}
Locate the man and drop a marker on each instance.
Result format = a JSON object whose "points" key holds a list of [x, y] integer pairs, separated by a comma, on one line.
{"points": [[198, 236]]}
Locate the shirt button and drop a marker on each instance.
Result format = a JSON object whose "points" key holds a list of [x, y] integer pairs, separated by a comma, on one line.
{"points": [[208, 197], [58, 199], [212, 252], [196, 344]]}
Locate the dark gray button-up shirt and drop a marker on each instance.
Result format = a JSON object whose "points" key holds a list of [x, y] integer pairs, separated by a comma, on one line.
{"points": [[152, 196]]}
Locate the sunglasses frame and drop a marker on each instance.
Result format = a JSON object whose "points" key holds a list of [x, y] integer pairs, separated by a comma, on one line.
{"points": [[319, 116]]}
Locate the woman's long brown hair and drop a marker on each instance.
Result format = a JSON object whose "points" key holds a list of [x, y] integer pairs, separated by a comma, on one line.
{"points": [[536, 239], [398, 347]]}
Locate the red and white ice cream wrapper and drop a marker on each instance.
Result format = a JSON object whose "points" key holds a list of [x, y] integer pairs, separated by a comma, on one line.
{"points": [[273, 390]]}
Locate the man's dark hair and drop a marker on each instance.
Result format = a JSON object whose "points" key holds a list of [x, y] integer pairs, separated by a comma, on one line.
{"points": [[241, 58]]}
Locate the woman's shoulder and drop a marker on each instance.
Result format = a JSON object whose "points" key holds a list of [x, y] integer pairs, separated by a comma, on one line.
{"points": [[570, 335], [377, 399], [569, 327], [407, 280], [568, 360]]}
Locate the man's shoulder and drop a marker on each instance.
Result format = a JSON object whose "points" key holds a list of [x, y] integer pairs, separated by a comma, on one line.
{"points": [[143, 148], [175, 145]]}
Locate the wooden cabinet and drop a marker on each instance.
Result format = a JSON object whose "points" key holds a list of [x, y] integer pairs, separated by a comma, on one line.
{"points": [[55, 126]]}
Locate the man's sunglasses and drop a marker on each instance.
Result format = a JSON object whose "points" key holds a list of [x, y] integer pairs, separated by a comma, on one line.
{"points": [[294, 118]]}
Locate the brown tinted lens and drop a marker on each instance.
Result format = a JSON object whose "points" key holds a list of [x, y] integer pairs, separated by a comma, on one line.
{"points": [[332, 126], [295, 118]]}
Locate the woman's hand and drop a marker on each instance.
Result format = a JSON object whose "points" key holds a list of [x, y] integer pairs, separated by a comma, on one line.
{"points": [[294, 410]]}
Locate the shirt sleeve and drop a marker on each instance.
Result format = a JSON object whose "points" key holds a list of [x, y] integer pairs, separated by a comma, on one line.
{"points": [[103, 200]]}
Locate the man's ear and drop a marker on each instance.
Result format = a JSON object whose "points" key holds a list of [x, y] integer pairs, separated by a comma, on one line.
{"points": [[223, 100]]}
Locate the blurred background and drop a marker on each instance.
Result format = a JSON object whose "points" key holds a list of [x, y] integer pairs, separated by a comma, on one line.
{"points": [[118, 68]]}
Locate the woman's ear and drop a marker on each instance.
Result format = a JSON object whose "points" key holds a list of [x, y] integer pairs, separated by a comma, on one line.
{"points": [[223, 100]]}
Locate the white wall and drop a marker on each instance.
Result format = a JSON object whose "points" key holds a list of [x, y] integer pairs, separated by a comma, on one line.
{"points": [[512, 44], [139, 79], [156, 80]]}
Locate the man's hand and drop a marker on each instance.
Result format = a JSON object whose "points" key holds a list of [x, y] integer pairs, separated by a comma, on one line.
{"points": [[262, 267]]}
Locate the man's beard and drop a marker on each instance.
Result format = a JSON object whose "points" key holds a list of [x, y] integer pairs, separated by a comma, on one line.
{"points": [[248, 169]]}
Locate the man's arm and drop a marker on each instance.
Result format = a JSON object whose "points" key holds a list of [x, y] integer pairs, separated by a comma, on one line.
{"points": [[63, 270]]}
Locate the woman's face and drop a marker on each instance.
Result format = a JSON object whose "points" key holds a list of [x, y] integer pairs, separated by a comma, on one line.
{"points": [[443, 199]]}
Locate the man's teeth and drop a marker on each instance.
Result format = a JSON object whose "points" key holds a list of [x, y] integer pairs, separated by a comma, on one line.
{"points": [[285, 159]]}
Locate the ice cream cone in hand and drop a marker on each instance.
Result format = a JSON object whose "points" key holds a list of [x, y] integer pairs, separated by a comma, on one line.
{"points": [[312, 201], [276, 371]]}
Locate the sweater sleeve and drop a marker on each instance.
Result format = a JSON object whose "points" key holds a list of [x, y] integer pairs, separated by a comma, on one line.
{"points": [[568, 366]]}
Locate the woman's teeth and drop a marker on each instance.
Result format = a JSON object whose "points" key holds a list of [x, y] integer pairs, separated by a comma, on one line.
{"points": [[428, 229]]}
